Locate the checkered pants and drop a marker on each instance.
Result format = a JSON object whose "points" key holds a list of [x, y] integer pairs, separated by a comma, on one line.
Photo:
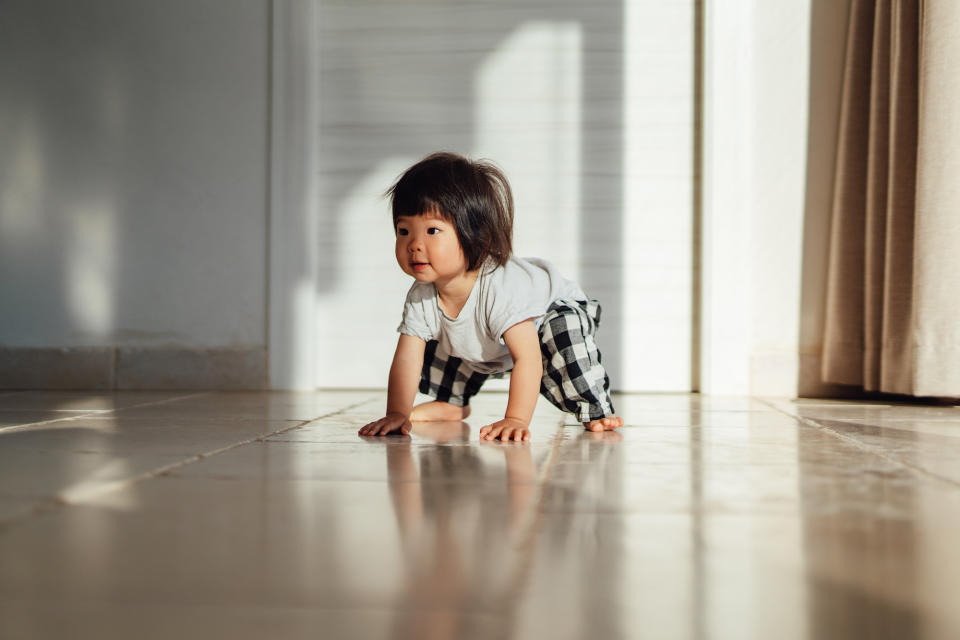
{"points": [[573, 378]]}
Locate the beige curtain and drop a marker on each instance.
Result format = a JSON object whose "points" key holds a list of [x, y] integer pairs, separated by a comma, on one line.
{"points": [[893, 291]]}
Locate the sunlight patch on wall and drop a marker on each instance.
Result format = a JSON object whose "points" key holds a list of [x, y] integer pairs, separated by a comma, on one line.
{"points": [[22, 190], [356, 320], [90, 268], [528, 120]]}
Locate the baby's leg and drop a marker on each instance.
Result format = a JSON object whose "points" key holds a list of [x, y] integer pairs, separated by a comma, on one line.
{"points": [[574, 380], [450, 382], [436, 410]]}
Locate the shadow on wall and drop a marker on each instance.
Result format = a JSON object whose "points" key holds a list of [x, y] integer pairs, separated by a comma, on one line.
{"points": [[56, 202], [132, 189], [828, 31], [401, 81]]}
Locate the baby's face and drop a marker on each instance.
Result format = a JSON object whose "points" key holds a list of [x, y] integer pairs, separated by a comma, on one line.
{"points": [[428, 248]]}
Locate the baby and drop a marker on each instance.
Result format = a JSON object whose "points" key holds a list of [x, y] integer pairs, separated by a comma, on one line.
{"points": [[477, 311]]}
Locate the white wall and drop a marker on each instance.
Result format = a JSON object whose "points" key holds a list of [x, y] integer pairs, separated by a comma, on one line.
{"points": [[134, 171], [798, 65], [133, 182], [780, 121], [588, 108], [774, 83]]}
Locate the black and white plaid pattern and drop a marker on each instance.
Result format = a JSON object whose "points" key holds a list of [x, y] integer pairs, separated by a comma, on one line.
{"points": [[447, 378], [573, 378]]}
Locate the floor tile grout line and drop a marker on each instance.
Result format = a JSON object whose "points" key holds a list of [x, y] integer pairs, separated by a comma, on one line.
{"points": [[98, 412], [810, 422], [164, 401], [2, 410], [58, 501]]}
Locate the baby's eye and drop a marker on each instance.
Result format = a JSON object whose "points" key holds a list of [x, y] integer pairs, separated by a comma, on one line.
{"points": [[402, 232], [433, 231]]}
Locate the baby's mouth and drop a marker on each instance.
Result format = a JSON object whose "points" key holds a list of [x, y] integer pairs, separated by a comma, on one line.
{"points": [[419, 266]]}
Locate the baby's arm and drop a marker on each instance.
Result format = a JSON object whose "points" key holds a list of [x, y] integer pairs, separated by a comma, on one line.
{"points": [[524, 345], [402, 389]]}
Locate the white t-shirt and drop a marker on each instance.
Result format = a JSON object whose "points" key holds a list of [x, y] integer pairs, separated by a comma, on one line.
{"points": [[522, 289]]}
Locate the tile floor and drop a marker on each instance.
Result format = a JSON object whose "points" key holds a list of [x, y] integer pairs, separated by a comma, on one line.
{"points": [[265, 515]]}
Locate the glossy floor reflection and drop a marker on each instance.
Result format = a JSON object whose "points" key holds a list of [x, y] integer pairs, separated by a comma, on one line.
{"points": [[265, 515]]}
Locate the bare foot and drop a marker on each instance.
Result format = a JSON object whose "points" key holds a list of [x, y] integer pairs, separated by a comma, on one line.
{"points": [[607, 437], [436, 410], [603, 424]]}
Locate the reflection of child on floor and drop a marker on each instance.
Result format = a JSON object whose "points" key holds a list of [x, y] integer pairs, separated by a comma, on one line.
{"points": [[476, 311], [451, 505], [450, 573]]}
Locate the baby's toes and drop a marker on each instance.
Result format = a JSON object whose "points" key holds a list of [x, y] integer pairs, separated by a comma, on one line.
{"points": [[612, 422], [604, 424]]}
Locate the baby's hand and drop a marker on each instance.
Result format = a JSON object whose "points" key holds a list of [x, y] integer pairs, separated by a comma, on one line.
{"points": [[386, 425], [506, 429]]}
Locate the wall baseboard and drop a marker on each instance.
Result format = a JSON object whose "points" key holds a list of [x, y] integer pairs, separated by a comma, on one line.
{"points": [[108, 368]]}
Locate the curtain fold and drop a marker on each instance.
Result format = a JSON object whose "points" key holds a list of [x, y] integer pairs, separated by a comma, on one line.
{"points": [[892, 314]]}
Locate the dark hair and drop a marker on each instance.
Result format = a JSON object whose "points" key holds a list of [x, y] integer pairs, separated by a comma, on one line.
{"points": [[474, 196]]}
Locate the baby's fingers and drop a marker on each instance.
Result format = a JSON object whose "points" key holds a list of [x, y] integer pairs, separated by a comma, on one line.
{"points": [[368, 428], [491, 432], [390, 426], [517, 434], [384, 426]]}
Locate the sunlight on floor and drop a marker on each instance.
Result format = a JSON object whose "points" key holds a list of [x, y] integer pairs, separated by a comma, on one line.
{"points": [[153, 514]]}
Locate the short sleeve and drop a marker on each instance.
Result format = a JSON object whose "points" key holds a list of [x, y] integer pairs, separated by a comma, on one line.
{"points": [[417, 313], [513, 299]]}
